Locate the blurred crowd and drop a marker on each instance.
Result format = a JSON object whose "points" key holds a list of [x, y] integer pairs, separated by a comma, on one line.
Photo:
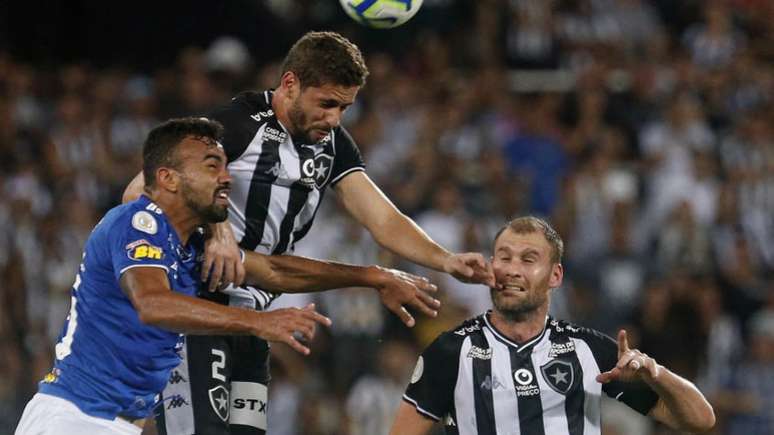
{"points": [[643, 130]]}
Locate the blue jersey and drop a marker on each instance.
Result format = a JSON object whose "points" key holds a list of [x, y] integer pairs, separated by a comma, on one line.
{"points": [[108, 362]]}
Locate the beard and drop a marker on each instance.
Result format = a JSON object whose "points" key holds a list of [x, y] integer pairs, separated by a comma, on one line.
{"points": [[298, 121], [208, 213], [516, 311], [521, 308]]}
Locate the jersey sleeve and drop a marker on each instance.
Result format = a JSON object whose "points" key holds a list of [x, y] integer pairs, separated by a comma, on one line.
{"points": [[431, 390], [637, 395], [237, 132], [138, 241], [348, 158]]}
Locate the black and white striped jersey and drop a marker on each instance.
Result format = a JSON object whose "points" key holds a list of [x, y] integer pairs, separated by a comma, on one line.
{"points": [[277, 184], [479, 382]]}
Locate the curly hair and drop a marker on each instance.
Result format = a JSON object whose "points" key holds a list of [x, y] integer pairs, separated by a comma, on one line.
{"points": [[320, 58]]}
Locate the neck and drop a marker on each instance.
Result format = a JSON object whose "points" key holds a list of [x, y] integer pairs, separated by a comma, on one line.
{"points": [[280, 104], [524, 327], [181, 217]]}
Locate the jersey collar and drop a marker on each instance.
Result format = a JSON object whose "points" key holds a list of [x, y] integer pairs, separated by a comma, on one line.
{"points": [[505, 340]]}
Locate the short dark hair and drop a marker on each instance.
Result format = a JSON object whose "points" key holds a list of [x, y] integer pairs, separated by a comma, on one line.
{"points": [[532, 224], [159, 148], [320, 58]]}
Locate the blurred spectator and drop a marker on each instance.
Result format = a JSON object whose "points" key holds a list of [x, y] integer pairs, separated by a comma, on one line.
{"points": [[749, 389]]}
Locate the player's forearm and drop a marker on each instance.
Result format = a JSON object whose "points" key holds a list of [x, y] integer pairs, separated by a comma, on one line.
{"points": [[409, 422], [188, 315], [401, 235], [684, 406], [135, 188], [295, 274]]}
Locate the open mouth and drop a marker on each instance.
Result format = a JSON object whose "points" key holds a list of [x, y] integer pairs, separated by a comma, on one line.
{"points": [[513, 289], [221, 195]]}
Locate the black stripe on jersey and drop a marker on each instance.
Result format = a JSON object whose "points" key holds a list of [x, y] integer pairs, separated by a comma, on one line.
{"points": [[257, 207], [529, 404], [576, 396], [298, 195], [482, 388]]}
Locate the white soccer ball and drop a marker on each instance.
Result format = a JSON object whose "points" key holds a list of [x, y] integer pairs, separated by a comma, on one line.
{"points": [[381, 14]]}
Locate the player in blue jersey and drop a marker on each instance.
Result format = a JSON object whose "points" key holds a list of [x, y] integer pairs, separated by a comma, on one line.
{"points": [[133, 296]]}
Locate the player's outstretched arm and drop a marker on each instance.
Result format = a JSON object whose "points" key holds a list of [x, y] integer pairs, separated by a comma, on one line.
{"points": [[398, 233], [680, 406], [222, 262], [293, 274], [156, 304], [408, 421]]}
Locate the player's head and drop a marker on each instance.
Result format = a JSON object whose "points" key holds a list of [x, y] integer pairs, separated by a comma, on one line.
{"points": [[527, 265], [321, 76], [183, 157]]}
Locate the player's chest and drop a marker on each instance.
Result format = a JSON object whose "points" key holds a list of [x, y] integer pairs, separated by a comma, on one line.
{"points": [[184, 270], [282, 163]]}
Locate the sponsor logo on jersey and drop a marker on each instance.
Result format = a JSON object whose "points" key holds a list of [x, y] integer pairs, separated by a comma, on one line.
{"points": [[145, 222], [251, 404], [492, 383], [154, 208], [51, 377], [480, 353], [176, 377], [559, 375], [220, 401], [144, 250], [465, 330], [270, 133], [176, 401], [261, 115], [561, 349]]}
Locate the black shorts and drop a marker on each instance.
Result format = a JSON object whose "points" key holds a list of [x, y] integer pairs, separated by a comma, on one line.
{"points": [[220, 388]]}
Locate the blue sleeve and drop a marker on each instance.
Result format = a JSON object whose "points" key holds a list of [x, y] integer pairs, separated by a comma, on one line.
{"points": [[138, 239]]}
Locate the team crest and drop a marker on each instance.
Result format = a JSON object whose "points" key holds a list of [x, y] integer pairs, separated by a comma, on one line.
{"points": [[323, 165], [559, 375], [220, 401], [316, 171]]}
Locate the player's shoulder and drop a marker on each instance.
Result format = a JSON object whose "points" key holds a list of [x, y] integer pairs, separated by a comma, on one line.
{"points": [[453, 338], [591, 336], [142, 215], [252, 101]]}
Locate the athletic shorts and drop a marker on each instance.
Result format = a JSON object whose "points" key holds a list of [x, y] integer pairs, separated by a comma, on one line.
{"points": [[219, 388], [50, 415]]}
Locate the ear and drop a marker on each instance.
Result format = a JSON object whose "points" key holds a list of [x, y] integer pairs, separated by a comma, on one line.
{"points": [[167, 179], [289, 83], [557, 274]]}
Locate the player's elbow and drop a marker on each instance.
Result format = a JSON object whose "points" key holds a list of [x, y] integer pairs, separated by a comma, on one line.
{"points": [[148, 313], [706, 420], [703, 421]]}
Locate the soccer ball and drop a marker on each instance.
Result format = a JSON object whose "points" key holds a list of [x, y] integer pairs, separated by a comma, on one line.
{"points": [[381, 14]]}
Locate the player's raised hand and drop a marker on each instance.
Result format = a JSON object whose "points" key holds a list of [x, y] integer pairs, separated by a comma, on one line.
{"points": [[397, 289], [632, 365], [283, 324], [470, 267], [222, 259]]}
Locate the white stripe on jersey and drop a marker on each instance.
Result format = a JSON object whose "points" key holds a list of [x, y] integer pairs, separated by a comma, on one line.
{"points": [[506, 415], [554, 415], [241, 171], [464, 402], [592, 400]]}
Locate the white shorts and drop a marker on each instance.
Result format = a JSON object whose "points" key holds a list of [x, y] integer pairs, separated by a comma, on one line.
{"points": [[50, 415]]}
